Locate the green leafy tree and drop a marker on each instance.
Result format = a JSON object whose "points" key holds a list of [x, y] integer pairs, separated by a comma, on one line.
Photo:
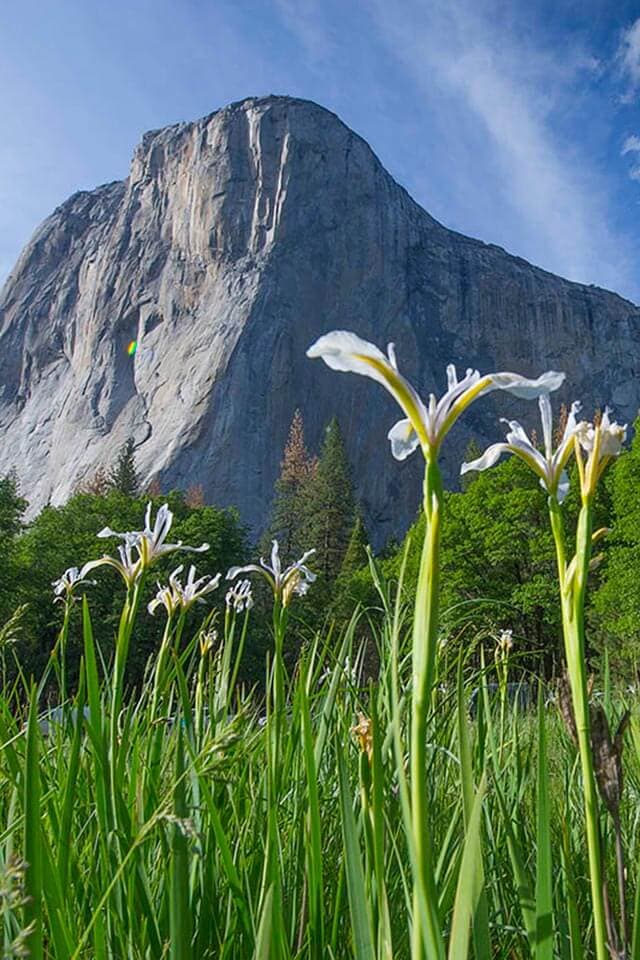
{"points": [[124, 476], [616, 614], [498, 561], [12, 508]]}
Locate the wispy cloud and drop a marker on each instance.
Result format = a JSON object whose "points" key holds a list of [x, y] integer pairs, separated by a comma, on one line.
{"points": [[505, 93], [631, 145], [628, 61]]}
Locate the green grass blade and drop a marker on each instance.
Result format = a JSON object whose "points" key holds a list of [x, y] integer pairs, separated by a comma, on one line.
{"points": [[481, 935], [263, 939], [54, 899], [544, 867], [32, 836], [358, 906], [314, 855], [179, 915], [469, 884], [635, 935], [573, 913], [522, 877], [70, 785], [384, 938]]}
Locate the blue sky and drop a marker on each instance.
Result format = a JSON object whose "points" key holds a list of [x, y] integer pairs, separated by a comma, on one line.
{"points": [[517, 122]]}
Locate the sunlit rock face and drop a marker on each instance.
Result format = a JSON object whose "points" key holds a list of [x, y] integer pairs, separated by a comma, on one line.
{"points": [[235, 242]]}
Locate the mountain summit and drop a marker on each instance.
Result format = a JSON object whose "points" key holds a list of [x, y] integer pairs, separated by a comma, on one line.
{"points": [[176, 307]]}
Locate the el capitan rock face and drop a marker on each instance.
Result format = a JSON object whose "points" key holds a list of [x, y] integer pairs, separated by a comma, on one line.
{"points": [[235, 242]]}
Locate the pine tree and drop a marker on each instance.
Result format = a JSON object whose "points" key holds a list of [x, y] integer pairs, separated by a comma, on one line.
{"points": [[356, 556], [347, 590], [99, 483], [153, 488], [194, 497], [297, 469], [124, 476], [329, 505]]}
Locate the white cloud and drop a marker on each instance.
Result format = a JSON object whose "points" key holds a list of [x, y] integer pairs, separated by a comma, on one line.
{"points": [[628, 58], [503, 93], [631, 145]]}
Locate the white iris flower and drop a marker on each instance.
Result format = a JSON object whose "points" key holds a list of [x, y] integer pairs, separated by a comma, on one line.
{"points": [[548, 465], [424, 425], [149, 544], [601, 442], [612, 436], [295, 579], [128, 566], [177, 596], [73, 577]]}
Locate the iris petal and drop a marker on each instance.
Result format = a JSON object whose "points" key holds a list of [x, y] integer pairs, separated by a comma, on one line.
{"points": [[404, 439]]}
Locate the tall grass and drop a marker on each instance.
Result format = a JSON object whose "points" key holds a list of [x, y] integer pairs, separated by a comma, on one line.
{"points": [[168, 829]]}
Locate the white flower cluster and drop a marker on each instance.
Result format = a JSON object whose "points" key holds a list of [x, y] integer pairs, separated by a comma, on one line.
{"points": [[180, 597], [239, 597], [138, 550]]}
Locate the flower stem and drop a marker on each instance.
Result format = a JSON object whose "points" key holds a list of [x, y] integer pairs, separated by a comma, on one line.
{"points": [[278, 690], [123, 639], [426, 935], [573, 594]]}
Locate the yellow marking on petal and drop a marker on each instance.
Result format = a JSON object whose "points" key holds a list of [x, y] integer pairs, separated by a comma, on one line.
{"points": [[397, 387], [531, 462], [564, 459], [461, 404], [579, 461], [592, 472]]}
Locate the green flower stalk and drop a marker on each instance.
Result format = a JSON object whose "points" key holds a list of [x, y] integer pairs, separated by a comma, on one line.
{"points": [[424, 426], [294, 580], [504, 646], [137, 553], [601, 443], [285, 584], [64, 589]]}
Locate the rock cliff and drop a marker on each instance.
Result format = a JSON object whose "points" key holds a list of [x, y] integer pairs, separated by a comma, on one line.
{"points": [[234, 242]]}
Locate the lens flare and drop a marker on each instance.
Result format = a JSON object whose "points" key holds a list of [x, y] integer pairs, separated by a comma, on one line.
{"points": [[133, 346]]}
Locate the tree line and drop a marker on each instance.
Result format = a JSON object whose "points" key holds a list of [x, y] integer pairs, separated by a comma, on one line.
{"points": [[314, 504], [498, 566]]}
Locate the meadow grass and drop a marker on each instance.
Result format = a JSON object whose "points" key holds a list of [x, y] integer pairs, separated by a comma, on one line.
{"points": [[332, 818], [179, 835]]}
